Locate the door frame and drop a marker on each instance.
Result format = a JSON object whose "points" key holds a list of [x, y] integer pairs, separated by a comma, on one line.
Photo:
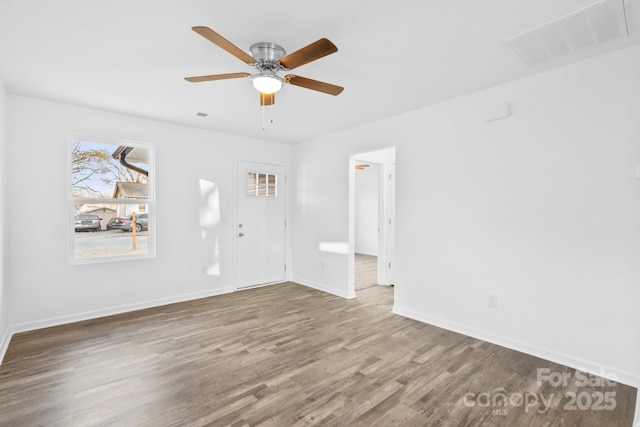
{"points": [[234, 230], [386, 217]]}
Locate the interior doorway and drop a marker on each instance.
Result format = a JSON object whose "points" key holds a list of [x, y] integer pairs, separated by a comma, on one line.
{"points": [[371, 219]]}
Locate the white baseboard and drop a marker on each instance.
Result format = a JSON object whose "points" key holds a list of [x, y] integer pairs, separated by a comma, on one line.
{"points": [[323, 288], [553, 356], [4, 343], [261, 285]]}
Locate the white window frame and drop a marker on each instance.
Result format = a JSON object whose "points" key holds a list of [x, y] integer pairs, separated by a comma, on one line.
{"points": [[150, 201]]}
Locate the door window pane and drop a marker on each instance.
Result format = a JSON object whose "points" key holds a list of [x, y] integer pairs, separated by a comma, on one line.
{"points": [[262, 184]]}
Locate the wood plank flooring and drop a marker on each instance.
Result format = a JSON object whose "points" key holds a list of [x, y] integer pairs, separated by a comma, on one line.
{"points": [[366, 271], [283, 355]]}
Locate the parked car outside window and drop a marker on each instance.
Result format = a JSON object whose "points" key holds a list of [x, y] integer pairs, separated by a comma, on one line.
{"points": [[142, 223], [85, 222], [116, 223]]}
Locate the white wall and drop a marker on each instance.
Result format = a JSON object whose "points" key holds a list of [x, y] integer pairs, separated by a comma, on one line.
{"points": [[321, 210], [45, 289], [366, 210], [4, 303], [541, 209]]}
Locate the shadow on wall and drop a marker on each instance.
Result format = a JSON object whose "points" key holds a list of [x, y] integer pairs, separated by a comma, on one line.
{"points": [[209, 221]]}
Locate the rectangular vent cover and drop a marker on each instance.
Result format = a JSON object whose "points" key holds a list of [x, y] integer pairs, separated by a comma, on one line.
{"points": [[597, 23]]}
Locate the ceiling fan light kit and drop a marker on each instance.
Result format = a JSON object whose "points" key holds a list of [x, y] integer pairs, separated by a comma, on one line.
{"points": [[267, 83], [269, 59]]}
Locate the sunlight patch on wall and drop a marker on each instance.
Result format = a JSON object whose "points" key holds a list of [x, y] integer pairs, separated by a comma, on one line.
{"points": [[341, 248], [209, 220], [210, 208]]}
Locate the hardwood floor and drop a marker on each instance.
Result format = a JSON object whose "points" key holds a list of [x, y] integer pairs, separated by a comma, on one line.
{"points": [[284, 355], [366, 271]]}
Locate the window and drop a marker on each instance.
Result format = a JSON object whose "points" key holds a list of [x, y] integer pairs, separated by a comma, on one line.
{"points": [[111, 200], [262, 184]]}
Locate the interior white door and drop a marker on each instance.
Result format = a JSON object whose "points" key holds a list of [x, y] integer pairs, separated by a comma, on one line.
{"points": [[261, 226]]}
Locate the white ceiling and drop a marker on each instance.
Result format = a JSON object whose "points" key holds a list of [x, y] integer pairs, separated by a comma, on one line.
{"points": [[131, 56]]}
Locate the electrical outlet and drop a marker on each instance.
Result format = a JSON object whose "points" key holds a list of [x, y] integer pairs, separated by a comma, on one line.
{"points": [[493, 301]]}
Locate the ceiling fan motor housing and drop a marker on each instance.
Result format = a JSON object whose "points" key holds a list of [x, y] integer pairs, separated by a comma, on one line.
{"points": [[268, 56]]}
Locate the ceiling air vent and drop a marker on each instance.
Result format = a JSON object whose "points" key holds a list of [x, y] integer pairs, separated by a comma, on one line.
{"points": [[598, 23]]}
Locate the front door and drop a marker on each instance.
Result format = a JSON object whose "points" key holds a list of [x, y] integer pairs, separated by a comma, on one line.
{"points": [[260, 230]]}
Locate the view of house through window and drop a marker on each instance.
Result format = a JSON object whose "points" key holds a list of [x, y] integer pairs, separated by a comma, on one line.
{"points": [[111, 200]]}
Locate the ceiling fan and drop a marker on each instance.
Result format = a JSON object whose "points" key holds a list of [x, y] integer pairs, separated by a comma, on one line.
{"points": [[269, 59]]}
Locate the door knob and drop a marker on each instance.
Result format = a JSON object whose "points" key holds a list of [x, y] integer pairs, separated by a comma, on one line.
{"points": [[240, 234]]}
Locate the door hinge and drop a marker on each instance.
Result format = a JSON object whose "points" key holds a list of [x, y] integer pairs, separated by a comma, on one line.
{"points": [[285, 267], [389, 265]]}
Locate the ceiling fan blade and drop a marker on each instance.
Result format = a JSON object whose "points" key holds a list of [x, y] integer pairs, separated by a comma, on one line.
{"points": [[313, 84], [198, 79], [267, 99], [225, 44], [315, 50]]}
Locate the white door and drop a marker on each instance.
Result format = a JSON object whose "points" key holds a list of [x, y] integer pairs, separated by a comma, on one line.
{"points": [[260, 230]]}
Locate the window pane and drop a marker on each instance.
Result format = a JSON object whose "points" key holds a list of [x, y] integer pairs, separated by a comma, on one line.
{"points": [[252, 186], [262, 184], [272, 190], [96, 170], [106, 230]]}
